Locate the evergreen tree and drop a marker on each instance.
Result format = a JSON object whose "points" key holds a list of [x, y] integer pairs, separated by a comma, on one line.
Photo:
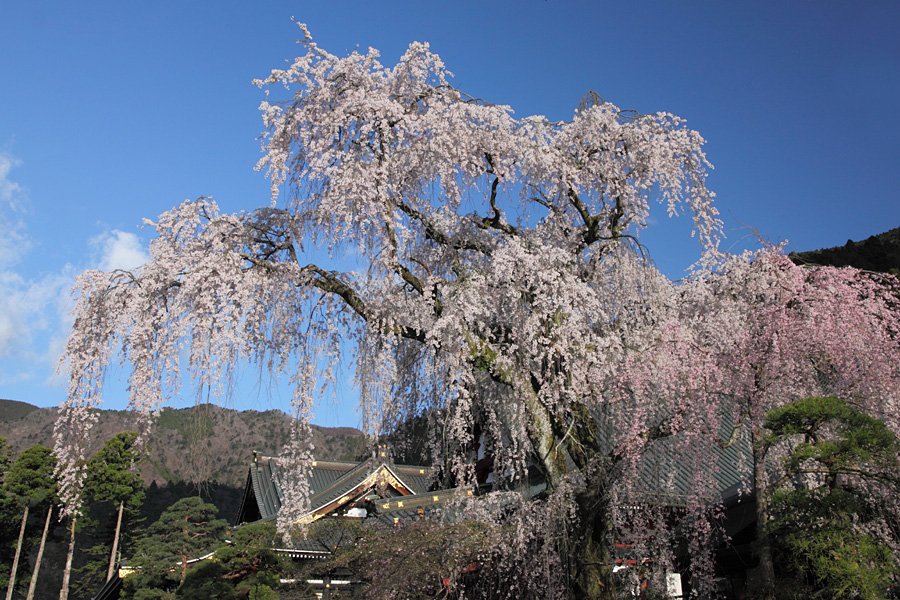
{"points": [[5, 457], [249, 562], [204, 581], [834, 509], [32, 484], [10, 514], [112, 478], [188, 529], [31, 479]]}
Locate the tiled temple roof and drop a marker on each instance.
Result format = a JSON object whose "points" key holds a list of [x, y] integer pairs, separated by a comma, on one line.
{"points": [[330, 483]]}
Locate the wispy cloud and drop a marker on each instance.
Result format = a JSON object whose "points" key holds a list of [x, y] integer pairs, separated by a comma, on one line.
{"points": [[119, 250], [14, 241], [14, 310], [9, 190], [32, 307], [29, 306]]}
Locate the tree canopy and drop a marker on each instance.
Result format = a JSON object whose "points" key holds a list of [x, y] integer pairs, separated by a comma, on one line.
{"points": [[112, 473], [31, 479], [490, 244], [5, 457], [9, 517], [835, 517], [186, 530], [496, 277], [29, 484], [111, 477]]}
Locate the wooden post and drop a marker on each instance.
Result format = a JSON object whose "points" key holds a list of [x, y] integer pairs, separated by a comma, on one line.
{"points": [[115, 548], [40, 556], [12, 575]]}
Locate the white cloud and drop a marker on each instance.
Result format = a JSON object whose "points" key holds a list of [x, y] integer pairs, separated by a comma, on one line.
{"points": [[34, 306], [9, 190], [14, 309], [119, 250], [12, 320], [29, 307], [14, 241]]}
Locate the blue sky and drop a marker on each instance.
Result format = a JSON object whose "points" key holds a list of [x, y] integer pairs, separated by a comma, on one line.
{"points": [[115, 111]]}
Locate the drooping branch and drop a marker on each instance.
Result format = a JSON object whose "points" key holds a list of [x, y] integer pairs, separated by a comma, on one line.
{"points": [[433, 233], [329, 282], [735, 431]]}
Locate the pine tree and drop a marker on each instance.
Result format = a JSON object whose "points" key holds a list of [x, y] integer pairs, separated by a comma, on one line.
{"points": [[113, 484], [835, 515], [186, 530]]}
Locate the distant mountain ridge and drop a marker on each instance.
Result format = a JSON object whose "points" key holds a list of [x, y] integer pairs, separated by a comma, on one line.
{"points": [[879, 253], [205, 443]]}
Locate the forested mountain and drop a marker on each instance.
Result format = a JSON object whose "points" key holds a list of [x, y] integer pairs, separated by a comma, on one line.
{"points": [[880, 253], [205, 443]]}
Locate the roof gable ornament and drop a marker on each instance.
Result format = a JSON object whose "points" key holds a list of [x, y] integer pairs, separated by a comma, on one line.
{"points": [[381, 484], [384, 453]]}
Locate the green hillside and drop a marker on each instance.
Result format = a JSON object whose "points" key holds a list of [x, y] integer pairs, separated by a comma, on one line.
{"points": [[199, 445], [13, 410], [879, 253]]}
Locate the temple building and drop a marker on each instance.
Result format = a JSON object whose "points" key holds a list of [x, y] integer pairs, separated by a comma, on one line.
{"points": [[343, 492], [376, 487]]}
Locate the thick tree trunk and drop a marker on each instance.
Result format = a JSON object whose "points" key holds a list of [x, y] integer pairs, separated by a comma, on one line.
{"points": [[15, 565], [40, 556], [67, 573], [115, 548], [593, 560], [766, 569]]}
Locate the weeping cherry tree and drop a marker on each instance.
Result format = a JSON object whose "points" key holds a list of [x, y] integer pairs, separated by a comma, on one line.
{"points": [[499, 280]]}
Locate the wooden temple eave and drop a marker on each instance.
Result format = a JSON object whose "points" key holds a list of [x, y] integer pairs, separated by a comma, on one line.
{"points": [[430, 498]]}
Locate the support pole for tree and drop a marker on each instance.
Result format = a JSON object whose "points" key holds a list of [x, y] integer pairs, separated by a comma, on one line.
{"points": [[40, 556], [115, 548], [12, 575], [67, 573]]}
